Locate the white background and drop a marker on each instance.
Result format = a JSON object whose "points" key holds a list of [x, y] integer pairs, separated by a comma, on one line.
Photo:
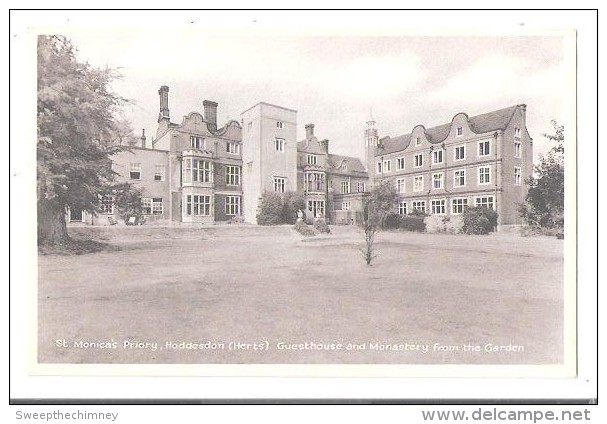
{"points": [[22, 267]]}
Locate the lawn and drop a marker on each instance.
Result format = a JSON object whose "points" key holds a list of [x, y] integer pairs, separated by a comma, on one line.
{"points": [[193, 295]]}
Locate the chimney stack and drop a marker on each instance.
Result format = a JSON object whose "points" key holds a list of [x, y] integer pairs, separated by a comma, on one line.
{"points": [[309, 131], [324, 145], [163, 93], [210, 114], [143, 138]]}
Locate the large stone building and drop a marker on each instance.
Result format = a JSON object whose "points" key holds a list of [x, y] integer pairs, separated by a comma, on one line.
{"points": [[197, 172], [480, 161]]}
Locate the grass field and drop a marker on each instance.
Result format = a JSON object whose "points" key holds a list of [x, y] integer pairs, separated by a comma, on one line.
{"points": [[214, 286]]}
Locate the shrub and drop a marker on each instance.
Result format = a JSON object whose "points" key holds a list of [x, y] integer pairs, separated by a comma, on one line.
{"points": [[303, 229], [392, 221], [279, 208], [479, 220], [321, 226], [291, 203], [413, 223]]}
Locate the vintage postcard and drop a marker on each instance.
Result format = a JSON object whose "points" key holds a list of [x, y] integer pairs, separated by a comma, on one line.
{"points": [[274, 198]]}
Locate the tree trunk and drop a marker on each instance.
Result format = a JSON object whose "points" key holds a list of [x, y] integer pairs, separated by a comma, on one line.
{"points": [[52, 230]]}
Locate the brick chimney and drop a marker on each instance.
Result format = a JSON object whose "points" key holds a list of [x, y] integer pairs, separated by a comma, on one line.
{"points": [[309, 131], [210, 114], [163, 93], [143, 138], [324, 145]]}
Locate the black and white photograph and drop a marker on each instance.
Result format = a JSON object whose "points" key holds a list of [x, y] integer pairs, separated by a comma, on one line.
{"points": [[258, 198]]}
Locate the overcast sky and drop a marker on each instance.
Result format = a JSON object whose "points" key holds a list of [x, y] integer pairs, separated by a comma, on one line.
{"points": [[336, 82]]}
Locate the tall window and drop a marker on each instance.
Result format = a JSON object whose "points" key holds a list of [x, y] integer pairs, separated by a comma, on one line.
{"points": [[400, 185], [460, 152], [232, 205], [418, 160], [159, 173], [420, 206], [232, 175], [484, 175], [314, 182], [345, 187], [279, 184], [197, 205], [107, 204], [312, 160], [459, 178], [157, 206], [484, 148], [418, 183], [437, 180], [387, 165], [135, 171], [438, 206], [146, 206], [316, 208], [437, 157], [517, 149], [279, 144], [196, 142], [517, 175], [360, 187], [232, 148], [402, 208], [400, 163], [517, 132], [485, 201], [379, 168], [197, 170], [458, 206]]}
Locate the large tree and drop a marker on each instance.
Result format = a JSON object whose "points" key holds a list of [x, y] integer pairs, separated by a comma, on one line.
{"points": [[544, 205], [77, 113]]}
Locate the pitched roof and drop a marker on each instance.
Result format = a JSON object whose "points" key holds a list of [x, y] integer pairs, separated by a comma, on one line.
{"points": [[354, 164], [486, 122]]}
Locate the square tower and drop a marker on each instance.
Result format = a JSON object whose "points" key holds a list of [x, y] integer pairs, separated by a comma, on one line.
{"points": [[269, 154]]}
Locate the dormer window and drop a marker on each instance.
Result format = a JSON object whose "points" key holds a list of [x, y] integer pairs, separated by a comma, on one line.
{"points": [[418, 141], [344, 165], [517, 132], [459, 132]]}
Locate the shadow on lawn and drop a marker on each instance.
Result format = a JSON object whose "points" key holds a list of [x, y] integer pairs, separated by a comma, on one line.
{"points": [[77, 246]]}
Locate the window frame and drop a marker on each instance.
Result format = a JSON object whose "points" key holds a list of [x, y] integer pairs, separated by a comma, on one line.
{"points": [[417, 178], [488, 143], [437, 153], [442, 204], [232, 208], [197, 142], [477, 203], [456, 178], [463, 205], [161, 174], [442, 180], [400, 185], [518, 177], [402, 207], [280, 183], [455, 148], [232, 178], [400, 161], [279, 144], [480, 173], [135, 168], [419, 156]]}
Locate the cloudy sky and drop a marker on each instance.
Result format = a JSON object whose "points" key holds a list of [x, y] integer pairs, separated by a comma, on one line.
{"points": [[335, 82]]}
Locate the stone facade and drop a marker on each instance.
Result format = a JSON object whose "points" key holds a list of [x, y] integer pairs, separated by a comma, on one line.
{"points": [[479, 160], [197, 172]]}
